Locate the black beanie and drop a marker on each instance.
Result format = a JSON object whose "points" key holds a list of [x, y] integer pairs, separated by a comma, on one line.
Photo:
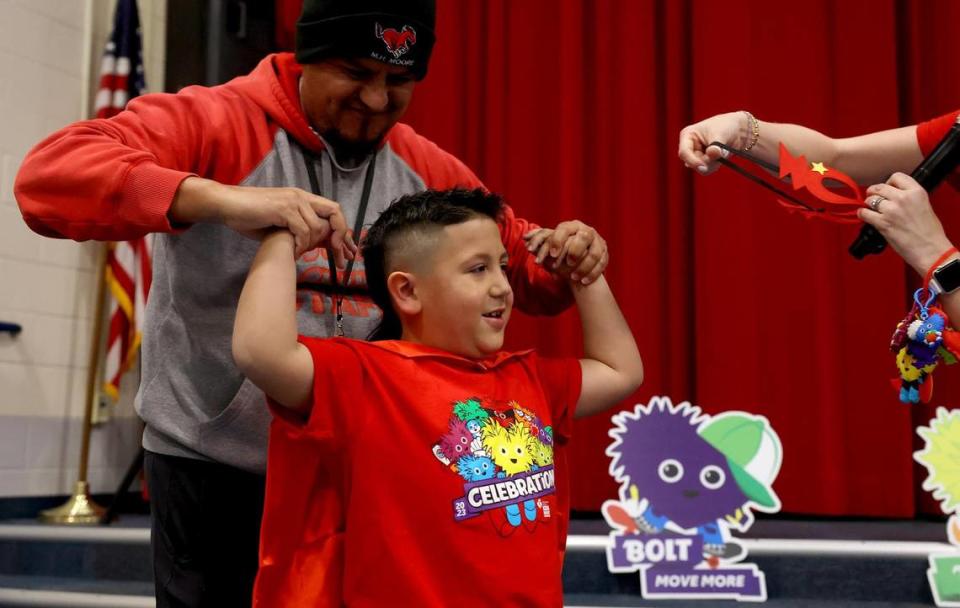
{"points": [[397, 32]]}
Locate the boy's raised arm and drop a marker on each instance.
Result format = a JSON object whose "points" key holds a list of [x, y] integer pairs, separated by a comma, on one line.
{"points": [[611, 366], [265, 345]]}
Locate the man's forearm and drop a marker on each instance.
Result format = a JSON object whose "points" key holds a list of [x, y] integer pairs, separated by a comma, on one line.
{"points": [[196, 200]]}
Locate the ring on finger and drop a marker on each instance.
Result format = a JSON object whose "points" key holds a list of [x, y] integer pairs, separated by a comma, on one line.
{"points": [[874, 204]]}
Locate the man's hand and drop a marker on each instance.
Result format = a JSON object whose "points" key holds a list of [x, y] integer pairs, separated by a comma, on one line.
{"points": [[575, 249], [313, 220], [904, 216]]}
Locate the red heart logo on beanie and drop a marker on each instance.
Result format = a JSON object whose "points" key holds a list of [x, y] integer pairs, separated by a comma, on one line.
{"points": [[397, 43]]}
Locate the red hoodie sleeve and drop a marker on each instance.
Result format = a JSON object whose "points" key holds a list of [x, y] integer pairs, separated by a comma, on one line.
{"points": [[114, 179], [536, 291]]}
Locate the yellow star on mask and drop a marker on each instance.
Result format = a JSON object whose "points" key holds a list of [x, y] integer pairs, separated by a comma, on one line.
{"points": [[819, 168]]}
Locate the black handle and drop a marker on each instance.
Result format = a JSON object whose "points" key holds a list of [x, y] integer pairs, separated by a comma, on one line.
{"points": [[930, 173]]}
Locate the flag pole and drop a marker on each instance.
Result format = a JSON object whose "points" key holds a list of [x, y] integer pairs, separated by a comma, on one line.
{"points": [[80, 508]]}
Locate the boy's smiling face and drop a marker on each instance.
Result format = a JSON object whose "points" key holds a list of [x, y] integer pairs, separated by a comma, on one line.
{"points": [[464, 294]]}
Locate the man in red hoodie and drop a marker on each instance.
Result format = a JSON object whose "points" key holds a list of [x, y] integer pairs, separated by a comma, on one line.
{"points": [[274, 148]]}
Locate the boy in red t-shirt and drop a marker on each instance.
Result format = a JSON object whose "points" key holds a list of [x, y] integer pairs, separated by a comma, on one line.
{"points": [[425, 468]]}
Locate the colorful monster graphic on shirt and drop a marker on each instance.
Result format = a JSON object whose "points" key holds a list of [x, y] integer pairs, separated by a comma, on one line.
{"points": [[513, 453], [475, 468], [505, 456], [474, 416], [456, 442]]}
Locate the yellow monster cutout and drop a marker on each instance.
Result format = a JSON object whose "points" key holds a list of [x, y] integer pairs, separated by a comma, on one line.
{"points": [[940, 456]]}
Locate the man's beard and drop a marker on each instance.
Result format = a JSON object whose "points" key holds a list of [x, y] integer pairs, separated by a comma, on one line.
{"points": [[350, 152]]}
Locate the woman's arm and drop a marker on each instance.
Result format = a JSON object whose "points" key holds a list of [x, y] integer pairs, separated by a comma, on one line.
{"points": [[866, 158]]}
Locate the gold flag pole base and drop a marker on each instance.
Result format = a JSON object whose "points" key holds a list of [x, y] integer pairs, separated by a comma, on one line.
{"points": [[79, 509]]}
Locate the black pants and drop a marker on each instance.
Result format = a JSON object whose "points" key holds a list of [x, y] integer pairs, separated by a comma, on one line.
{"points": [[205, 531]]}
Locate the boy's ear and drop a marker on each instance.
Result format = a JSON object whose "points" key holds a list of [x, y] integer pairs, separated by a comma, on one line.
{"points": [[403, 291]]}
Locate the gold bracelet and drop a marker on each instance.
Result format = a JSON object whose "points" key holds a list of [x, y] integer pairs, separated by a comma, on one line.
{"points": [[754, 126]]}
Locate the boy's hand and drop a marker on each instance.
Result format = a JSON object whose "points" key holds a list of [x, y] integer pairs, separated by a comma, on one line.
{"points": [[575, 250]]}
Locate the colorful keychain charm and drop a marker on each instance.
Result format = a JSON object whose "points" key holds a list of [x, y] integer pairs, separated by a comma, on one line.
{"points": [[919, 345]]}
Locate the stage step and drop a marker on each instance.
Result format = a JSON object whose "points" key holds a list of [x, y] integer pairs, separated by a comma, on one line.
{"points": [[75, 567], [63, 592], [108, 553], [577, 600]]}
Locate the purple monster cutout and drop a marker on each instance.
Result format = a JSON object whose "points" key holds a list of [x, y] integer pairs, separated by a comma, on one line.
{"points": [[687, 479], [683, 478]]}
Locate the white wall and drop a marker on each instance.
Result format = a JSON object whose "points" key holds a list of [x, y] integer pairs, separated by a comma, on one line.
{"points": [[48, 285]]}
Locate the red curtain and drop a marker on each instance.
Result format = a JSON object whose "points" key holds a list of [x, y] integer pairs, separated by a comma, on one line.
{"points": [[571, 109]]}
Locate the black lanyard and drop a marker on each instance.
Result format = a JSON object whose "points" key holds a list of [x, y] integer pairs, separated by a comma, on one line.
{"points": [[357, 226]]}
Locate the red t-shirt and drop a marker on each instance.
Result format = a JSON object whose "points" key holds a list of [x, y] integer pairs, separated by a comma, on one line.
{"points": [[930, 133], [421, 478]]}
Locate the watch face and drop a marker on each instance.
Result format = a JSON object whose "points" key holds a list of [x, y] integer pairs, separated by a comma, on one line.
{"points": [[949, 276]]}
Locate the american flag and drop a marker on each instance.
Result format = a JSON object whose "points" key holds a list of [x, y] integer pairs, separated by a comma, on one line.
{"points": [[128, 270]]}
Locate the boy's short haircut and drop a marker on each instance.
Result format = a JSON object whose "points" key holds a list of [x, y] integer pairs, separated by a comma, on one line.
{"points": [[423, 211]]}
